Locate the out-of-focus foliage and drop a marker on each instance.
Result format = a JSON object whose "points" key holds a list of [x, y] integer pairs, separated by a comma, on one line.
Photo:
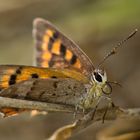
{"points": [[95, 25]]}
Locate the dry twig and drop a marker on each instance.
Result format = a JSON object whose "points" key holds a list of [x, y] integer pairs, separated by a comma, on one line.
{"points": [[34, 105]]}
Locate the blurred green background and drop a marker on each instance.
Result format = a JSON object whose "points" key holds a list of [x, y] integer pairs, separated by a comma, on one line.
{"points": [[96, 26]]}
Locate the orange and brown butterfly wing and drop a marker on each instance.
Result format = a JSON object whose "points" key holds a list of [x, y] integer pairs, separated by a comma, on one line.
{"points": [[21, 77], [13, 74], [54, 49]]}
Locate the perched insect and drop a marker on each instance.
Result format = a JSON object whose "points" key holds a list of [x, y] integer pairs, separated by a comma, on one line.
{"points": [[64, 74]]}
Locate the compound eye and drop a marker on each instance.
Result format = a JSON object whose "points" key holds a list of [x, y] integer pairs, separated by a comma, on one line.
{"points": [[98, 77]]}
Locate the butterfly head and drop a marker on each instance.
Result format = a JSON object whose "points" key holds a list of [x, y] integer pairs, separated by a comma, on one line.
{"points": [[99, 77]]}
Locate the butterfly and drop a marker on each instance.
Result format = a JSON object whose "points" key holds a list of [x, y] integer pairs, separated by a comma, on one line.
{"points": [[63, 74]]}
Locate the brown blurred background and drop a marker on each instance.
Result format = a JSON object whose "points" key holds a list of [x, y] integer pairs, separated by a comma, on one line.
{"points": [[96, 26]]}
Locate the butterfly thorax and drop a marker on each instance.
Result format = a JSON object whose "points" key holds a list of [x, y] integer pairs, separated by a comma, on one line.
{"points": [[98, 87], [91, 98]]}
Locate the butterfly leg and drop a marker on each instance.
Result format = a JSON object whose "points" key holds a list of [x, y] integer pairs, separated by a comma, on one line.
{"points": [[95, 108], [77, 108], [104, 115], [75, 112], [110, 104]]}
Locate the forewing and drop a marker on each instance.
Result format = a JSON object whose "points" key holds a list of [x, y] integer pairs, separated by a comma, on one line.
{"points": [[13, 74], [54, 49]]}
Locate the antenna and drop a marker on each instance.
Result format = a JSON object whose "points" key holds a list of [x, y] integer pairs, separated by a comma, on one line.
{"points": [[114, 50]]}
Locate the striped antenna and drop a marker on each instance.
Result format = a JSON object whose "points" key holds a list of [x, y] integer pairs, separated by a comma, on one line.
{"points": [[114, 50]]}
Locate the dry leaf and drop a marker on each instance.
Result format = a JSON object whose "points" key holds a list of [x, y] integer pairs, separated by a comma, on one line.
{"points": [[64, 132]]}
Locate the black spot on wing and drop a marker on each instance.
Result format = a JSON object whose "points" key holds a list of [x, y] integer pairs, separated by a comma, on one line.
{"points": [[52, 40], [73, 59], [50, 44], [53, 77], [55, 35], [35, 75], [62, 49], [18, 71], [12, 79]]}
